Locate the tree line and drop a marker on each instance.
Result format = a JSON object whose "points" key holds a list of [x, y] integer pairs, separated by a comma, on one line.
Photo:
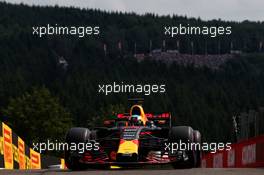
{"points": [[38, 94]]}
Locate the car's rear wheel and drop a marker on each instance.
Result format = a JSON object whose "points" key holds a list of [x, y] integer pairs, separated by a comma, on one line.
{"points": [[75, 136]]}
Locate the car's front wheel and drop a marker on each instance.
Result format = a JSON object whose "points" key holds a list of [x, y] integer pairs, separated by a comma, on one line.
{"points": [[183, 135], [75, 136]]}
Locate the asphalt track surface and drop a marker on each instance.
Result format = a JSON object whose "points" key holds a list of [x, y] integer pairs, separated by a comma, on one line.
{"points": [[194, 171]]}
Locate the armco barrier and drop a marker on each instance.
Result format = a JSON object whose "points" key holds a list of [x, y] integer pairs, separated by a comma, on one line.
{"points": [[245, 154], [15, 154]]}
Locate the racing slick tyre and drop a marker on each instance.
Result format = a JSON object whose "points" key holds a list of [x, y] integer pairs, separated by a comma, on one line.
{"points": [[198, 140], [183, 134], [76, 136]]}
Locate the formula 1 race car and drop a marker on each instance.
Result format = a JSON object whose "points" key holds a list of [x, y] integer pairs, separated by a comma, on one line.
{"points": [[134, 139]]}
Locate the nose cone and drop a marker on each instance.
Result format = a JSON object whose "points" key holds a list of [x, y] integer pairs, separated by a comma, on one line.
{"points": [[128, 146]]}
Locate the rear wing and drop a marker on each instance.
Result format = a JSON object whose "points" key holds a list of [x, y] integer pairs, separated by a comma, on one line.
{"points": [[160, 119], [163, 119], [119, 118]]}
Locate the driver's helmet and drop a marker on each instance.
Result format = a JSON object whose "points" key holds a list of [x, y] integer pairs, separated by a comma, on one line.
{"points": [[136, 120]]}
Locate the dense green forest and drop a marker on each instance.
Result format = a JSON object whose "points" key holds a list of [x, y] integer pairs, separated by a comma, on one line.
{"points": [[203, 98]]}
